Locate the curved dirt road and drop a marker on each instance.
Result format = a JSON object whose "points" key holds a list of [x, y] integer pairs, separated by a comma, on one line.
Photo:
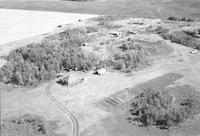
{"points": [[68, 114]]}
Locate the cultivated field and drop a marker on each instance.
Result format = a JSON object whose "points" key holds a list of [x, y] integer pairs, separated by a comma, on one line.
{"points": [[20, 24], [135, 8]]}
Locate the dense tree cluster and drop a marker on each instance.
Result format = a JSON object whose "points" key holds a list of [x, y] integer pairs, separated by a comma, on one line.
{"points": [[131, 56], [128, 60], [158, 107], [36, 63]]}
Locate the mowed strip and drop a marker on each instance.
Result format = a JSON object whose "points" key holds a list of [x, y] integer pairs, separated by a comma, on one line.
{"points": [[68, 114]]}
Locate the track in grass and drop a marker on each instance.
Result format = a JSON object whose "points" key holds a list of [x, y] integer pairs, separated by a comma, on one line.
{"points": [[68, 114]]}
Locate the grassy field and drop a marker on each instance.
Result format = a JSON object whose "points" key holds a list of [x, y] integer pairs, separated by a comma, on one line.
{"points": [[135, 8]]}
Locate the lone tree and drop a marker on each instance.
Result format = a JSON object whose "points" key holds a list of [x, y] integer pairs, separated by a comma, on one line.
{"points": [[159, 108]]}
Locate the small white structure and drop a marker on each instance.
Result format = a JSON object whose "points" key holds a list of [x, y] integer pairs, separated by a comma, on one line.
{"points": [[193, 51], [85, 78], [100, 71], [115, 33], [131, 32]]}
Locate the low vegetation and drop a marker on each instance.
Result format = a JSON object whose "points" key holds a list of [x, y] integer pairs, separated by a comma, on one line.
{"points": [[91, 29], [107, 21], [159, 30], [184, 38], [160, 108], [35, 125], [34, 64]]}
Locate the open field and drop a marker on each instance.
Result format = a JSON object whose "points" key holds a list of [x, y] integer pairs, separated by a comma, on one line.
{"points": [[135, 8], [20, 24]]}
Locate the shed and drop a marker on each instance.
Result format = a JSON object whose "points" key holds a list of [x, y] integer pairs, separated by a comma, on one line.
{"points": [[59, 26], [71, 79], [100, 71], [131, 32], [115, 33]]}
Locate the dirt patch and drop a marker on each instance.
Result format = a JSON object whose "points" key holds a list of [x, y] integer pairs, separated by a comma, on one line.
{"points": [[28, 125]]}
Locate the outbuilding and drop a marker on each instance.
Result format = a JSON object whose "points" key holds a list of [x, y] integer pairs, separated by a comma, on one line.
{"points": [[115, 33], [71, 79], [100, 71]]}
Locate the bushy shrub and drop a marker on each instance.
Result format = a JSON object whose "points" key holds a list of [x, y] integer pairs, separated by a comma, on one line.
{"points": [[130, 57], [74, 37], [107, 21], [91, 29], [37, 63], [108, 25], [159, 108], [130, 45], [164, 32]]}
